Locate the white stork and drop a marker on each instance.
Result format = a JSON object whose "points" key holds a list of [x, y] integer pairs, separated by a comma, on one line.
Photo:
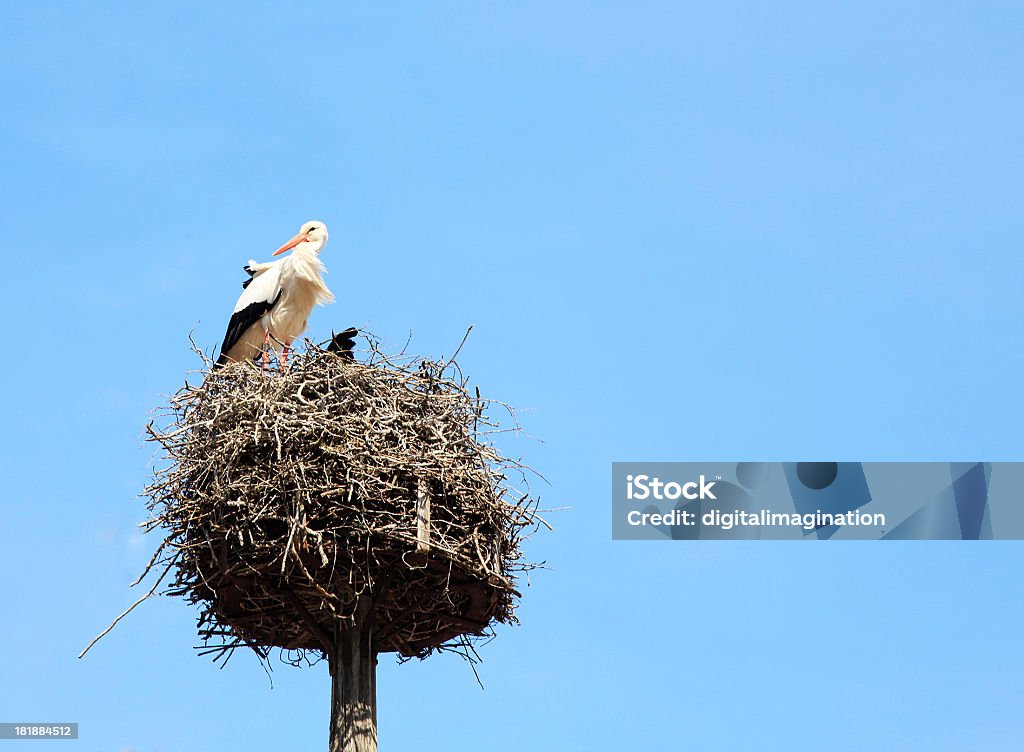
{"points": [[278, 298]]}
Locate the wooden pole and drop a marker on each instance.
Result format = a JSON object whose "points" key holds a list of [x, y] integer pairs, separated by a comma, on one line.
{"points": [[354, 682], [422, 517]]}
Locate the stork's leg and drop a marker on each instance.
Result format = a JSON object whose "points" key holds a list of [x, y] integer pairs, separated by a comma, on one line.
{"points": [[266, 342], [284, 358]]}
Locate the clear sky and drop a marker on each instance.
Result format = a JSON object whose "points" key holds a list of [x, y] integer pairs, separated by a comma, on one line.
{"points": [[683, 231]]}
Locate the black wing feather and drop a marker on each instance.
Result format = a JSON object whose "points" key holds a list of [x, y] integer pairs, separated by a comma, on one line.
{"points": [[343, 343], [241, 321]]}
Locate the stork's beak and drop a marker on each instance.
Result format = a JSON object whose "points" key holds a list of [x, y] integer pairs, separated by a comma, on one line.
{"points": [[290, 244]]}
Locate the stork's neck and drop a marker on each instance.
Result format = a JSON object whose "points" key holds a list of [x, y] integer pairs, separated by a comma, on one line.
{"points": [[312, 246], [302, 260], [306, 266]]}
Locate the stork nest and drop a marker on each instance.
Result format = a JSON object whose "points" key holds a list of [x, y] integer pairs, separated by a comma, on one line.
{"points": [[288, 494]]}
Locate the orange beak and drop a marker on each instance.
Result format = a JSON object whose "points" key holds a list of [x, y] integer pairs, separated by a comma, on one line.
{"points": [[290, 244]]}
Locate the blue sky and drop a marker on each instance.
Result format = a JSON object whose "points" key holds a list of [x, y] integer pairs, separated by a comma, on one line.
{"points": [[730, 230]]}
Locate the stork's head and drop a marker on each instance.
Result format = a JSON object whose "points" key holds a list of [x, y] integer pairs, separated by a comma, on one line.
{"points": [[311, 237]]}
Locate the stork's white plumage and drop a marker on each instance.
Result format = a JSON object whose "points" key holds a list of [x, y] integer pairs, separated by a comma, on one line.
{"points": [[276, 302]]}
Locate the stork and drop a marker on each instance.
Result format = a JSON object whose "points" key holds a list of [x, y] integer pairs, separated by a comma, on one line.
{"points": [[277, 299]]}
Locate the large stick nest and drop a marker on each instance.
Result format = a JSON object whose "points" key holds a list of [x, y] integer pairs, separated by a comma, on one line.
{"points": [[287, 494]]}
